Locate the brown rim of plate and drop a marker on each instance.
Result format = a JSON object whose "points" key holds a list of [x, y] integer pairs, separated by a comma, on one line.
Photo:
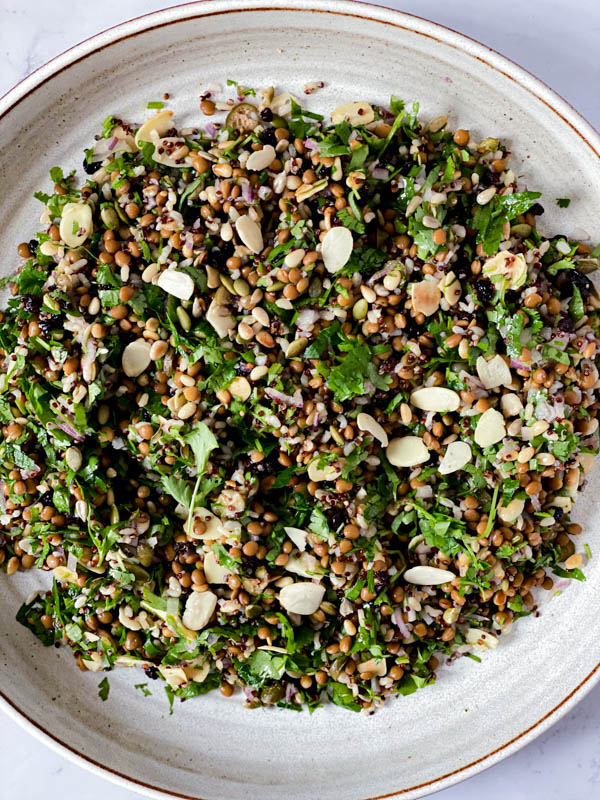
{"points": [[20, 715]]}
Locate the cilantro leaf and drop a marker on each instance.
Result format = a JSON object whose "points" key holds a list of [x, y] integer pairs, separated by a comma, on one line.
{"points": [[351, 222], [576, 307], [103, 689]]}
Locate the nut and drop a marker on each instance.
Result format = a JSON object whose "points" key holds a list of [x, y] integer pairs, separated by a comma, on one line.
{"points": [[435, 398], [136, 358], [336, 248], [490, 428], [177, 283], [199, 608], [301, 598], [407, 451], [457, 455], [428, 576]]}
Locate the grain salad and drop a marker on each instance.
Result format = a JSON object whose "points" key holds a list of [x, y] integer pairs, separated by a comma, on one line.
{"points": [[294, 407]]}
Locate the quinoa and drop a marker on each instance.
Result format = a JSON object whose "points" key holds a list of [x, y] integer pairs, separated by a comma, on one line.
{"points": [[293, 405]]}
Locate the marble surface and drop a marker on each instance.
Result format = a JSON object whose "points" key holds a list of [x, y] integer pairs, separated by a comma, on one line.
{"points": [[558, 47]]}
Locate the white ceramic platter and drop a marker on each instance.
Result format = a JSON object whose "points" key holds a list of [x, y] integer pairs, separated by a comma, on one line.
{"points": [[212, 747]]}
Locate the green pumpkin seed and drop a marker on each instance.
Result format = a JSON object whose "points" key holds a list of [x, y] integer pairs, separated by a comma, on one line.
{"points": [[241, 288], [228, 284], [296, 347], [521, 229], [360, 309], [184, 318], [109, 217]]}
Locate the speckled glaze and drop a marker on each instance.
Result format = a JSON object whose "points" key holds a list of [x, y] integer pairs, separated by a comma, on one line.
{"points": [[212, 748]]}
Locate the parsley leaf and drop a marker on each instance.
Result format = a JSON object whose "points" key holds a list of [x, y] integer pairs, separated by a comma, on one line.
{"points": [[103, 689], [348, 221]]}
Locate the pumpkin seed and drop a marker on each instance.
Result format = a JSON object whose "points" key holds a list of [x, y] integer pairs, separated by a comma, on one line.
{"points": [[296, 347], [109, 217]]}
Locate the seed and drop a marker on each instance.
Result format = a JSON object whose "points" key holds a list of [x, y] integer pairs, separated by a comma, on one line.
{"points": [[241, 288], [245, 331], [484, 197], [294, 258], [184, 318], [526, 455], [187, 410], [73, 458], [265, 339], [430, 222], [360, 309], [109, 217], [296, 347], [368, 293], [261, 316], [240, 388], [258, 372]]}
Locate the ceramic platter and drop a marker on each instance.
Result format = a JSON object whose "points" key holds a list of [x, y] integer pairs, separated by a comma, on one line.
{"points": [[212, 747]]}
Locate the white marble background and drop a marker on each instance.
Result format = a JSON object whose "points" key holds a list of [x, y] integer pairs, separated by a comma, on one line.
{"points": [[559, 43]]}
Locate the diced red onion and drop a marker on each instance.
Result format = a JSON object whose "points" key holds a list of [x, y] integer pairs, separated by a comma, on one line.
{"points": [[310, 144], [211, 130], [247, 193], [380, 173], [70, 431], [290, 691], [398, 621], [515, 364], [286, 399], [374, 278], [113, 143]]}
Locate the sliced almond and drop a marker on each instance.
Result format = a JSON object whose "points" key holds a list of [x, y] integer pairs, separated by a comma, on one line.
{"points": [[261, 159], [370, 425], [325, 473], [213, 571], [510, 266], [177, 283], [336, 248], [304, 564], [174, 676], [511, 511], [240, 388], [490, 428], [136, 358], [250, 233], [428, 576], [281, 104], [511, 404], [426, 297], [586, 460], [360, 113], [159, 124], [407, 451], [493, 373], [301, 598], [199, 608], [309, 189], [457, 455], [481, 638], [450, 287], [298, 537], [214, 528], [435, 398], [378, 668], [219, 316], [164, 149], [75, 224]]}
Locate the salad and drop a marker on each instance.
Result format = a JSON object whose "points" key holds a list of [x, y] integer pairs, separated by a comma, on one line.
{"points": [[293, 407]]}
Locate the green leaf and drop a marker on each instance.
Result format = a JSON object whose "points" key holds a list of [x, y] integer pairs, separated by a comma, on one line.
{"points": [[552, 353], [178, 488], [342, 696], [322, 341], [261, 667], [56, 175], [347, 379], [202, 442], [30, 280], [191, 187], [564, 263], [563, 202], [351, 222], [60, 499], [143, 687], [512, 205], [103, 689]]}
